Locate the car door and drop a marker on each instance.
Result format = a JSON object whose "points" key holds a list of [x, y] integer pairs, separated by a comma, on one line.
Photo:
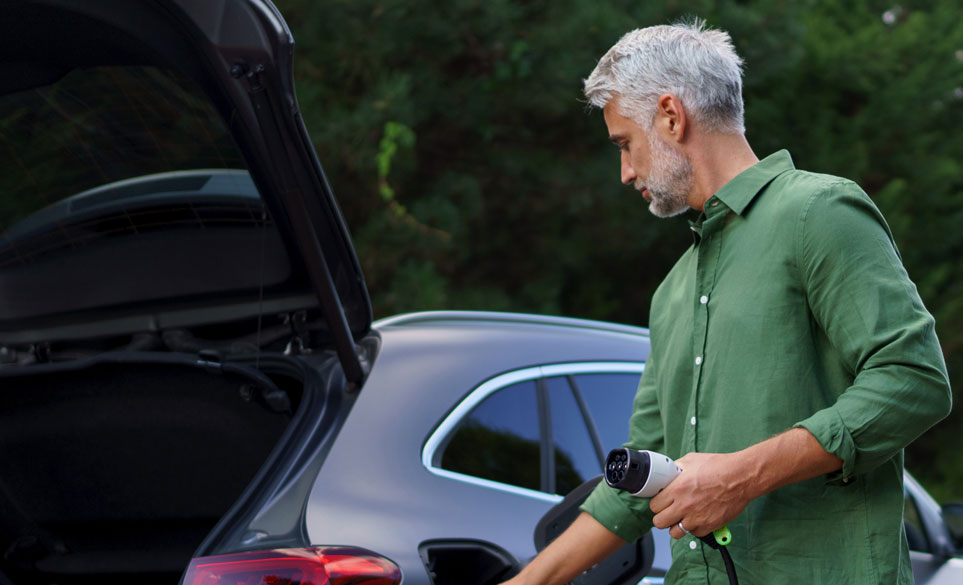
{"points": [[541, 433]]}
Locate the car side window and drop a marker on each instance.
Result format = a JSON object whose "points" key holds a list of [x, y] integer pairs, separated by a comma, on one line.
{"points": [[576, 458], [582, 416], [609, 399], [499, 439]]}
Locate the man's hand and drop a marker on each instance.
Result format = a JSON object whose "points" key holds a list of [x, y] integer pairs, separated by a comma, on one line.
{"points": [[581, 546], [714, 488], [709, 493]]}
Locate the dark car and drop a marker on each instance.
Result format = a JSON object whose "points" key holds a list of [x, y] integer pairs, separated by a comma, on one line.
{"points": [[192, 385]]}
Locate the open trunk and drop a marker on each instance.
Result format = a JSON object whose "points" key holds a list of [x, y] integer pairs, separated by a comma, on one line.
{"points": [[119, 466]]}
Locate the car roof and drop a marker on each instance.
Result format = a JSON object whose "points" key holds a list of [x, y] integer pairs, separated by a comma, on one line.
{"points": [[470, 318]]}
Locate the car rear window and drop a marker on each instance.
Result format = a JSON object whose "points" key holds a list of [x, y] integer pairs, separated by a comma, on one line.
{"points": [[80, 137], [123, 185], [97, 126]]}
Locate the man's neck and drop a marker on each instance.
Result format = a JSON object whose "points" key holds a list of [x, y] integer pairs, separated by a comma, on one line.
{"points": [[716, 161]]}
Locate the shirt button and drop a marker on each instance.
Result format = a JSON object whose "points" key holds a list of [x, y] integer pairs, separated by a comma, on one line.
{"points": [[692, 422], [692, 544], [699, 361], [704, 299]]}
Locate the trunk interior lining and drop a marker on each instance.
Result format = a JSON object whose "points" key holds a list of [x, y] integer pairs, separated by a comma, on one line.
{"points": [[123, 467]]}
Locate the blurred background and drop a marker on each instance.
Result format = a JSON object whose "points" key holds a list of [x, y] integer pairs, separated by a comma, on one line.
{"points": [[473, 175]]}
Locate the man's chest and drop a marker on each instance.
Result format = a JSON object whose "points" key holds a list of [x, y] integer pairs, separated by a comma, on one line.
{"points": [[736, 340]]}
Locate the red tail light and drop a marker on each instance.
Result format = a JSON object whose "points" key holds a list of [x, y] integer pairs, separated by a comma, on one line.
{"points": [[325, 565]]}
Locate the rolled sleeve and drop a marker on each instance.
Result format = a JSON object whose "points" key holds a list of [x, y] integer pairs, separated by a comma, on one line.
{"points": [[862, 298], [625, 516], [831, 432]]}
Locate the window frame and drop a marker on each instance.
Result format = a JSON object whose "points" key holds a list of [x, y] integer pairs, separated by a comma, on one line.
{"points": [[434, 446]]}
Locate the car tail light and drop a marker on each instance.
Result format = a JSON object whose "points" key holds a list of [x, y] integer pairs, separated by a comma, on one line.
{"points": [[325, 565]]}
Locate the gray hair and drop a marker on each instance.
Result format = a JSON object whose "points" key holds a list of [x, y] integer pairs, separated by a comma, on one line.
{"points": [[697, 64]]}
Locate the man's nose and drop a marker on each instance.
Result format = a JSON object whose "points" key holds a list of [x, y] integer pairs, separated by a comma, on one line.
{"points": [[628, 173]]}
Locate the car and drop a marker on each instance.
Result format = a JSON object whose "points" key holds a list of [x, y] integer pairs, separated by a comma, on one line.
{"points": [[194, 386]]}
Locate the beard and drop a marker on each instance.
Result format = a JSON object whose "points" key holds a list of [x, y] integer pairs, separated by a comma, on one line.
{"points": [[669, 181]]}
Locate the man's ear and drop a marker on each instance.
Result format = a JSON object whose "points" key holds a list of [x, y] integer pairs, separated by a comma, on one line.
{"points": [[670, 117]]}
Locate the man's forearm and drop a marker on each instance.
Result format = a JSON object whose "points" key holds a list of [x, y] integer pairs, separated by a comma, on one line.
{"points": [[714, 488], [581, 546], [787, 458]]}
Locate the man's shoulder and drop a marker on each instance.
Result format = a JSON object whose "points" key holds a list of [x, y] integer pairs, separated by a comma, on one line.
{"points": [[802, 182], [794, 192]]}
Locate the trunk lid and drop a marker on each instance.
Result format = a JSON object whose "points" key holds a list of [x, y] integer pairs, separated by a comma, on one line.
{"points": [[159, 174]]}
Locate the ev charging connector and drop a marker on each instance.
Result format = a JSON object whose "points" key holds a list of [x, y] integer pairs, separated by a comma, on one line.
{"points": [[645, 474]]}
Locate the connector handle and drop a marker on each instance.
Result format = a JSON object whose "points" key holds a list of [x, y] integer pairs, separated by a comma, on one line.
{"points": [[720, 537]]}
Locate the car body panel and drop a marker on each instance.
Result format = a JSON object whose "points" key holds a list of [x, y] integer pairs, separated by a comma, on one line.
{"points": [[374, 489]]}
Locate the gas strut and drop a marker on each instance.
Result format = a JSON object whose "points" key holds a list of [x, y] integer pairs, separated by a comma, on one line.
{"points": [[645, 474]]}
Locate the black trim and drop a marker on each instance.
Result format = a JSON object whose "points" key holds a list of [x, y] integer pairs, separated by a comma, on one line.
{"points": [[547, 450], [589, 421]]}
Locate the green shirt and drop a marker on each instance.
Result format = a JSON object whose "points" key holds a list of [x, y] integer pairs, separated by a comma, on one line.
{"points": [[791, 309]]}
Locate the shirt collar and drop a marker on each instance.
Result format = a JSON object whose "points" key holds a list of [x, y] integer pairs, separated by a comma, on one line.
{"points": [[738, 193]]}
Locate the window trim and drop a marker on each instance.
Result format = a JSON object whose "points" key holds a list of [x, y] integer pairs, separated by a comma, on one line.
{"points": [[430, 454]]}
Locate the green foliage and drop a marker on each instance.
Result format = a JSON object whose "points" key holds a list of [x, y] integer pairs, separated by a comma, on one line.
{"points": [[509, 198], [396, 136]]}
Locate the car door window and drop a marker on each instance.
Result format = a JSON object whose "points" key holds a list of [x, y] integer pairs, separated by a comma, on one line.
{"points": [[499, 439], [913, 524], [547, 434], [609, 399], [576, 458]]}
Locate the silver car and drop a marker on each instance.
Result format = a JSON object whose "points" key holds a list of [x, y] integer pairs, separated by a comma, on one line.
{"points": [[193, 386]]}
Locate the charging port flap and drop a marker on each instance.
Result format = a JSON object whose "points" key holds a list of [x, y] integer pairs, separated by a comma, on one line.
{"points": [[466, 562]]}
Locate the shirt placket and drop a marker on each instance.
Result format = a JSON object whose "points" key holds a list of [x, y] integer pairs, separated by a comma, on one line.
{"points": [[709, 246]]}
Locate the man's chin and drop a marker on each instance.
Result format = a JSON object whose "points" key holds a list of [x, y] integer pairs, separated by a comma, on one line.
{"points": [[664, 208]]}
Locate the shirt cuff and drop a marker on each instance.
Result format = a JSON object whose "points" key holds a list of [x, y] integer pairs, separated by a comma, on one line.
{"points": [[624, 515], [828, 428]]}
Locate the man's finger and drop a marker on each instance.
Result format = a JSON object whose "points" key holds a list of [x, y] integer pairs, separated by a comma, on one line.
{"points": [[666, 519], [660, 502]]}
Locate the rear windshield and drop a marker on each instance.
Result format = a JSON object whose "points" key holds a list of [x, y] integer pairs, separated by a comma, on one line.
{"points": [[123, 187], [98, 137]]}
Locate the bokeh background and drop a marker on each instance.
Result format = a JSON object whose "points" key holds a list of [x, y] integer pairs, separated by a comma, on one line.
{"points": [[473, 176]]}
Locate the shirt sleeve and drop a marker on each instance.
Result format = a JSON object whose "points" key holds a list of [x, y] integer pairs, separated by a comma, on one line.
{"points": [[623, 514], [865, 304]]}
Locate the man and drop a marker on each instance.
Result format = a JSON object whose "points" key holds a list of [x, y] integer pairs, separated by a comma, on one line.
{"points": [[792, 359]]}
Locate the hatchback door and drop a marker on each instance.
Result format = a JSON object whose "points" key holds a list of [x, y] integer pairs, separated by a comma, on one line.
{"points": [[152, 63]]}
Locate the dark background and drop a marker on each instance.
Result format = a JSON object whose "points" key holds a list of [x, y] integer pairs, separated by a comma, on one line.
{"points": [[473, 176]]}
